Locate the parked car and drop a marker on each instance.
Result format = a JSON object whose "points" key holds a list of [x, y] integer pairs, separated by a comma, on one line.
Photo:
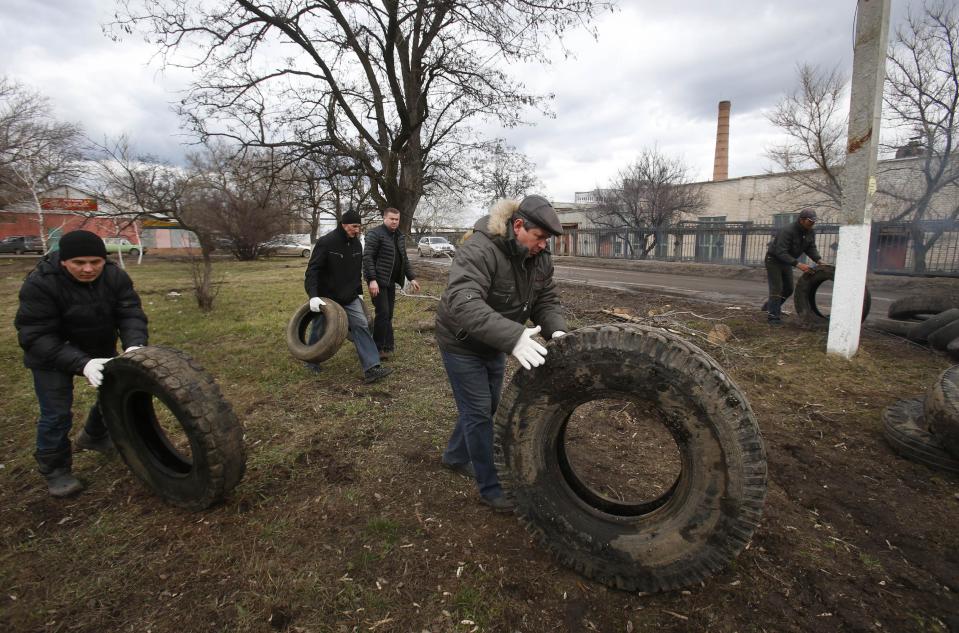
{"points": [[123, 245], [18, 244], [432, 246], [291, 248]]}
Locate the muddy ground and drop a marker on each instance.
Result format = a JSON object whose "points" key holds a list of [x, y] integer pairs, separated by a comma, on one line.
{"points": [[345, 522]]}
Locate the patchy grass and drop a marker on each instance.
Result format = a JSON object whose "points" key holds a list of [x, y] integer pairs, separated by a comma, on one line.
{"points": [[345, 522]]}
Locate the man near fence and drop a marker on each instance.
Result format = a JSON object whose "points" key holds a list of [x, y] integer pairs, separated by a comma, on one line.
{"points": [[501, 277], [335, 271], [782, 255], [386, 264], [73, 307]]}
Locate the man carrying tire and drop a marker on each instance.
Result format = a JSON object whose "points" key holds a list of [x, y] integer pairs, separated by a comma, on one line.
{"points": [[501, 277], [335, 271], [385, 264], [73, 307], [790, 242]]}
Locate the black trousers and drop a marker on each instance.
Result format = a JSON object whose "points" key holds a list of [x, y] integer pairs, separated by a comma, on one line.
{"points": [[780, 278], [383, 303]]}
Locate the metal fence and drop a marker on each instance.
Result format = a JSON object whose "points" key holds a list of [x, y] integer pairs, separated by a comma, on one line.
{"points": [[893, 246]]}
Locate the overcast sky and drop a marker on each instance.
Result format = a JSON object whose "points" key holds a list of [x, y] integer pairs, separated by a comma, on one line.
{"points": [[654, 77]]}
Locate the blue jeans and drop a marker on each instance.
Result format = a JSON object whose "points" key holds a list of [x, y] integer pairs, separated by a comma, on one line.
{"points": [[477, 383], [55, 395], [360, 330], [384, 303]]}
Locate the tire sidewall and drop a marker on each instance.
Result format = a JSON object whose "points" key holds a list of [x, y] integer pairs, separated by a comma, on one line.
{"points": [[696, 526], [126, 380]]}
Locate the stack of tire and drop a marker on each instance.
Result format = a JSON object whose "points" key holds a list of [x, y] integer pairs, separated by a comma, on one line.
{"points": [[930, 320], [926, 429]]}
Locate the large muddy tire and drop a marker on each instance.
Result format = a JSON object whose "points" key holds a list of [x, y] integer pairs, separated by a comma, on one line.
{"points": [[941, 338], [920, 332], [808, 309], [917, 306], [335, 327], [942, 410], [193, 461], [691, 531], [904, 427]]}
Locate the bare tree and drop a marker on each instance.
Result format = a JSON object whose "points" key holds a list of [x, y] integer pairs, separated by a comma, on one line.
{"points": [[37, 152], [394, 85], [144, 186], [645, 198], [814, 119], [248, 197], [439, 212], [502, 172], [327, 185], [922, 96]]}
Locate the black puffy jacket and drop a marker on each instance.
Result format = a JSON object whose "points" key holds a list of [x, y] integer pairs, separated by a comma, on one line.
{"points": [[62, 323], [379, 255], [336, 267]]}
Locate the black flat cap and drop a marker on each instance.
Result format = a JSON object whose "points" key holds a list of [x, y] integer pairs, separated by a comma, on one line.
{"points": [[807, 214], [540, 212]]}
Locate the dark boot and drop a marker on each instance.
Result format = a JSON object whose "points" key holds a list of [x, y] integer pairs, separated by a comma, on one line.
{"points": [[56, 466], [62, 483], [774, 311], [103, 445]]}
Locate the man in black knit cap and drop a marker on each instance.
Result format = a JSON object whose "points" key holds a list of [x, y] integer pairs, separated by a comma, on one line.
{"points": [[73, 307], [335, 272]]}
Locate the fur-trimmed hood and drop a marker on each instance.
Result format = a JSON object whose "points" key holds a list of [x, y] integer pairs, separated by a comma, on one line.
{"points": [[496, 222]]}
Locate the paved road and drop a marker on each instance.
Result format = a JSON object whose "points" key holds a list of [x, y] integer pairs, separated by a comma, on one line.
{"points": [[715, 289]]}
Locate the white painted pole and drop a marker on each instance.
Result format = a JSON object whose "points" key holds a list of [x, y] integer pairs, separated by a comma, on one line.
{"points": [[859, 175]]}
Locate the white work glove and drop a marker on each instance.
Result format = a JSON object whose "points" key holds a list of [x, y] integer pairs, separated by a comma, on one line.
{"points": [[557, 334], [131, 348], [93, 370], [528, 352], [315, 304]]}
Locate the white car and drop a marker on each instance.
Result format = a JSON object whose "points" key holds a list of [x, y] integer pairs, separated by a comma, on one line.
{"points": [[432, 246], [286, 247]]}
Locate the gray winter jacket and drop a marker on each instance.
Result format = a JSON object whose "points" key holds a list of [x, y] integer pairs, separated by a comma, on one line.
{"points": [[792, 241], [494, 288]]}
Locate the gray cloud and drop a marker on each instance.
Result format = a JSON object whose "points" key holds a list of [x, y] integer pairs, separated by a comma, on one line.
{"points": [[654, 77]]}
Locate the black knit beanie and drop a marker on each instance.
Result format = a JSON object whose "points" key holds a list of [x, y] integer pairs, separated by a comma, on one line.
{"points": [[350, 217], [81, 244]]}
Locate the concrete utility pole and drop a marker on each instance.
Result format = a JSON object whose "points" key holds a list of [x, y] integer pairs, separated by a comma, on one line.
{"points": [[859, 188]]}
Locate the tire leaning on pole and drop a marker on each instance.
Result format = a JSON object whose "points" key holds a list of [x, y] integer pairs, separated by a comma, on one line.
{"points": [[335, 327], [192, 462], [691, 531], [804, 298]]}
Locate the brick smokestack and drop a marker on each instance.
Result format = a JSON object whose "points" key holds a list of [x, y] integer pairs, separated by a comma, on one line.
{"points": [[721, 161]]}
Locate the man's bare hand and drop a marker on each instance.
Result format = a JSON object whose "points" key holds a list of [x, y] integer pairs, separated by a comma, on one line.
{"points": [[415, 285], [374, 289], [804, 267]]}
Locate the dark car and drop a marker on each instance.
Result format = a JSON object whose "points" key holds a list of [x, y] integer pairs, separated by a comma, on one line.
{"points": [[18, 244]]}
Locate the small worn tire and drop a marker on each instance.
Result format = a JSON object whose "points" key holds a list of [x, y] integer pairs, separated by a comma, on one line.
{"points": [[913, 306], [804, 297], [904, 427], [693, 530], [942, 410], [218, 458], [941, 338], [920, 332], [330, 341]]}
